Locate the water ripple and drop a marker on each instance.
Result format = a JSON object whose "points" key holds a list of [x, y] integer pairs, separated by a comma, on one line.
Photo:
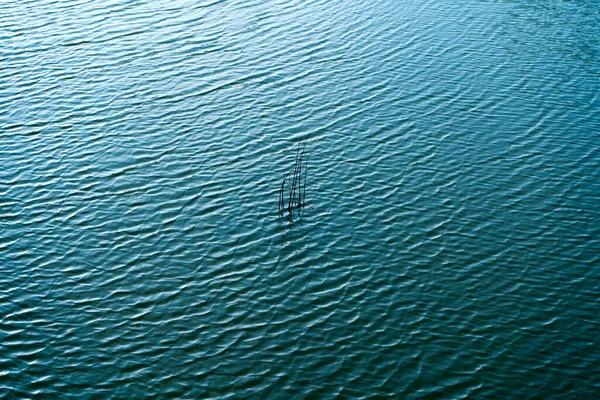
{"points": [[450, 245]]}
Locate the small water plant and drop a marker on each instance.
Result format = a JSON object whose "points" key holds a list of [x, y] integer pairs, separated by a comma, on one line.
{"points": [[293, 184]]}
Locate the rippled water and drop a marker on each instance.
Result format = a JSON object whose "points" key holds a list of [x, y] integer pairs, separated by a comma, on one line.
{"points": [[453, 244]]}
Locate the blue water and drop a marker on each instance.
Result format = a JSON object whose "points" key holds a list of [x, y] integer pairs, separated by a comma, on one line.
{"points": [[450, 249]]}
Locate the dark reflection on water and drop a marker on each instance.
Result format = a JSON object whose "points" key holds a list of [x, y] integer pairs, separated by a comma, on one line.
{"points": [[455, 179]]}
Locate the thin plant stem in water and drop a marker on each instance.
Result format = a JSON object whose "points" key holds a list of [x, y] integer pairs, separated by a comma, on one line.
{"points": [[296, 184]]}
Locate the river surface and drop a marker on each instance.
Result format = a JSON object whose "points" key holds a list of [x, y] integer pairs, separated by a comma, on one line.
{"points": [[449, 248]]}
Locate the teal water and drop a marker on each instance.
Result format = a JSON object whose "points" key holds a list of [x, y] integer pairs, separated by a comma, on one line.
{"points": [[452, 246]]}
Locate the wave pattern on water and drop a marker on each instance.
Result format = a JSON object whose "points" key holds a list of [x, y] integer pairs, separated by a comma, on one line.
{"points": [[454, 176]]}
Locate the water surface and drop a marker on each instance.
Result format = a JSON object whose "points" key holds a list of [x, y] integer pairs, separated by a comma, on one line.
{"points": [[451, 248]]}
